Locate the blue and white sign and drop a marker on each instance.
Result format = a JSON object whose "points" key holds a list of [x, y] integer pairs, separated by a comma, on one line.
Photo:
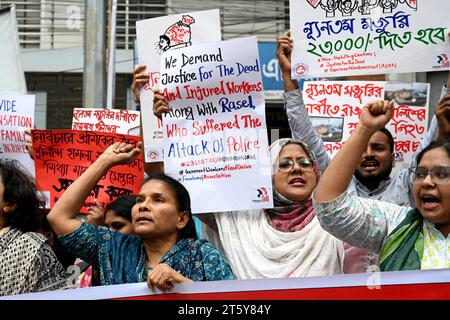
{"points": [[271, 71]]}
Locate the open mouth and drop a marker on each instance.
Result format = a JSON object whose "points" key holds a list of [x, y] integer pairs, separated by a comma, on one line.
{"points": [[370, 164], [430, 201], [297, 182]]}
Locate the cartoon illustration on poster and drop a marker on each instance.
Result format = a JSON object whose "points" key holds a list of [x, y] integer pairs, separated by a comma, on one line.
{"points": [[156, 36]]}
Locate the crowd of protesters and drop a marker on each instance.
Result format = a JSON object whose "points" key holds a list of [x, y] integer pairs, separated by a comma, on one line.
{"points": [[343, 215]]}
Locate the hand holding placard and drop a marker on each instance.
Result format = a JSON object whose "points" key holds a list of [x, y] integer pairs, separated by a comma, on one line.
{"points": [[443, 117], [160, 104], [140, 78]]}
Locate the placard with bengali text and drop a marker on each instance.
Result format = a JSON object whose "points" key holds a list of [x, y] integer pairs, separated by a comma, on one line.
{"points": [[334, 38], [334, 108], [107, 120], [61, 156]]}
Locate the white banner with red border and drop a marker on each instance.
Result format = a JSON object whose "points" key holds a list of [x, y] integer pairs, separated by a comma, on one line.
{"points": [[399, 285]]}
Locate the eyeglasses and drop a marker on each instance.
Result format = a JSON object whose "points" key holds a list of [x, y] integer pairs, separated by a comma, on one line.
{"points": [[286, 165], [439, 175]]}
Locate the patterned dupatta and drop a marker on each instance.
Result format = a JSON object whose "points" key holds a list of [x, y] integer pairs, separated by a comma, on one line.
{"points": [[403, 248], [121, 258], [186, 257], [128, 259]]}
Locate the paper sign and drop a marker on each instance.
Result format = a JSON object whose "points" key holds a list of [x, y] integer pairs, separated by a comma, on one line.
{"points": [[334, 108], [215, 136], [156, 36], [16, 116], [107, 120], [354, 37], [61, 156]]}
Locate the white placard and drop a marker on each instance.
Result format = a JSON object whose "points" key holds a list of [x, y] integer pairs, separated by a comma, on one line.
{"points": [[16, 116], [10, 58], [215, 137], [334, 108], [417, 284], [106, 120], [354, 37], [156, 36]]}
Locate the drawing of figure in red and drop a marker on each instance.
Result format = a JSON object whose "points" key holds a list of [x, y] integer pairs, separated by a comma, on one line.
{"points": [[443, 60], [176, 35], [411, 3]]}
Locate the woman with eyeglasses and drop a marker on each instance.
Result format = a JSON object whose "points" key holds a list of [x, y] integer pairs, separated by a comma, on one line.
{"points": [[286, 241], [406, 238]]}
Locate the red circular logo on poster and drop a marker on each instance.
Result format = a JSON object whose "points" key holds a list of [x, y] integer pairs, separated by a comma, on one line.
{"points": [[301, 69], [153, 155]]}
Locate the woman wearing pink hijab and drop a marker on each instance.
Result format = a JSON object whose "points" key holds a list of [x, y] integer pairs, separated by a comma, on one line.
{"points": [[286, 241]]}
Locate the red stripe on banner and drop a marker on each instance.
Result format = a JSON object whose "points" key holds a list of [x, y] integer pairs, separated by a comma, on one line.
{"points": [[434, 291]]}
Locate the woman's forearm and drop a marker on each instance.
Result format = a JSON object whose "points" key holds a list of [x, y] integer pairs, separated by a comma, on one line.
{"points": [[62, 217]]}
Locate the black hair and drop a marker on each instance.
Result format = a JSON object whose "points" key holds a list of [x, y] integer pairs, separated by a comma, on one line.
{"points": [[163, 36], [390, 138], [183, 203], [444, 144], [20, 189], [122, 206]]}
